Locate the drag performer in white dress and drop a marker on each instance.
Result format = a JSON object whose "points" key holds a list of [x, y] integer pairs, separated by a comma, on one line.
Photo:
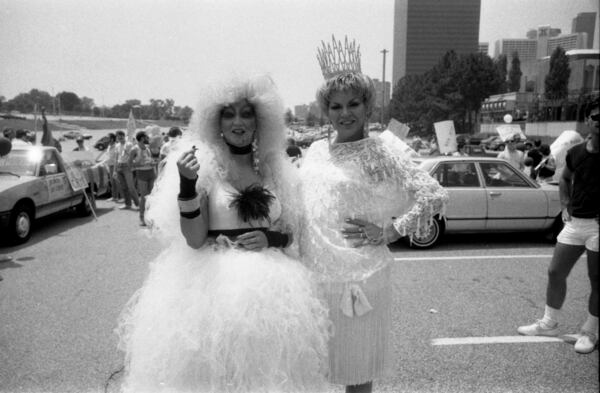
{"points": [[359, 194], [223, 308]]}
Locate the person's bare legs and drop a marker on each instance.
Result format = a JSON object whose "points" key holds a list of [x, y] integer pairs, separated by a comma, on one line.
{"points": [[564, 258], [592, 262]]}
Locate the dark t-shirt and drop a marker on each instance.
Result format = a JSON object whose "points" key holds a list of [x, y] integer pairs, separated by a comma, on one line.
{"points": [[585, 190], [536, 156], [293, 151]]}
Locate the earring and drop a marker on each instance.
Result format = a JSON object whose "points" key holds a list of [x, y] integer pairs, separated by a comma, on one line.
{"points": [[255, 159]]}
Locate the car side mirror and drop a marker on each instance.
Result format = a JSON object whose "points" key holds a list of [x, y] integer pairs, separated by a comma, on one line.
{"points": [[50, 169]]}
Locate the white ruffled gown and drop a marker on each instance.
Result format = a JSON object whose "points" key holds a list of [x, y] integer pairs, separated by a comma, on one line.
{"points": [[369, 180], [220, 319]]}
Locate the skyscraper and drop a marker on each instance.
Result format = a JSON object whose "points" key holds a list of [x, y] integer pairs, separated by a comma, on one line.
{"points": [[424, 30], [585, 22]]}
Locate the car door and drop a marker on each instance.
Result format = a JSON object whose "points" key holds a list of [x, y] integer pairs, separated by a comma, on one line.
{"points": [[514, 203], [467, 205], [56, 185]]}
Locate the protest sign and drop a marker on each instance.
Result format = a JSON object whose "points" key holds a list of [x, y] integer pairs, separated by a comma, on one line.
{"points": [[446, 136], [78, 182], [399, 129], [76, 178], [509, 131], [131, 126]]}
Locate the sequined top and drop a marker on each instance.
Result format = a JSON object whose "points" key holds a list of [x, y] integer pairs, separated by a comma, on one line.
{"points": [[364, 179]]}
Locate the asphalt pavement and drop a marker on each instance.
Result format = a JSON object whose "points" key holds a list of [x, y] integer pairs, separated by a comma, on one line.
{"points": [[455, 311]]}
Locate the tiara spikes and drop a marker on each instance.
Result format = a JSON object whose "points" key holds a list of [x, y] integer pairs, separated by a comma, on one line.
{"points": [[336, 58]]}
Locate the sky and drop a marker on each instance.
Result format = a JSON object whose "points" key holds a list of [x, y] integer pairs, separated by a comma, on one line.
{"points": [[115, 50]]}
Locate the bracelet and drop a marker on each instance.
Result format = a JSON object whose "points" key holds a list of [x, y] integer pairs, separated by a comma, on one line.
{"points": [[189, 208], [187, 187], [277, 239]]}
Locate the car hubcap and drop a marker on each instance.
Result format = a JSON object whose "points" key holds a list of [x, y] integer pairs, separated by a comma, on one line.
{"points": [[23, 225]]}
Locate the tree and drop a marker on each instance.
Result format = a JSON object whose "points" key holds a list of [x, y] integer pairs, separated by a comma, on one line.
{"points": [[87, 104], [514, 75], [476, 78], [288, 116], [557, 81], [25, 102], [69, 101], [452, 90], [311, 119], [501, 63]]}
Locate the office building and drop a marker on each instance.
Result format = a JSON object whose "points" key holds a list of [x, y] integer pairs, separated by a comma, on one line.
{"points": [[484, 47], [526, 48], [567, 42], [585, 22], [379, 92], [424, 30]]}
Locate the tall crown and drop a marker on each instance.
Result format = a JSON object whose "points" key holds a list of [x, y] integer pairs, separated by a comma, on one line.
{"points": [[336, 59]]}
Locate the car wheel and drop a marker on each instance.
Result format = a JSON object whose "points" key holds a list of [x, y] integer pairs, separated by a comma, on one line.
{"points": [[83, 209], [436, 230], [20, 223]]}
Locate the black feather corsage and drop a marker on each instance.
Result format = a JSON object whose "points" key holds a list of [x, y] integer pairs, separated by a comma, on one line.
{"points": [[252, 203]]}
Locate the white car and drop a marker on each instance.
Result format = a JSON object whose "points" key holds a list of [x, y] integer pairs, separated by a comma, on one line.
{"points": [[489, 195], [34, 183]]}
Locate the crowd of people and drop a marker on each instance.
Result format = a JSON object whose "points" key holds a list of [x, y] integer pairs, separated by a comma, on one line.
{"points": [[134, 165]]}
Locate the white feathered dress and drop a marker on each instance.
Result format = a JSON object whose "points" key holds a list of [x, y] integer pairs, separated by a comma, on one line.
{"points": [[221, 319]]}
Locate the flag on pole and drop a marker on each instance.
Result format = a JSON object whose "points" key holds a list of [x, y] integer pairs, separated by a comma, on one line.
{"points": [[131, 126]]}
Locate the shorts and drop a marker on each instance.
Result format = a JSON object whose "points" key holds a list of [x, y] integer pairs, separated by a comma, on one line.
{"points": [[580, 232]]}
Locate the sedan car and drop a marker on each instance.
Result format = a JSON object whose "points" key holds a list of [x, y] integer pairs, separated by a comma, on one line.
{"points": [[34, 183], [489, 195]]}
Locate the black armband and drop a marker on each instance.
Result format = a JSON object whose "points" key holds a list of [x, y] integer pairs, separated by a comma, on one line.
{"points": [[277, 239], [187, 187]]}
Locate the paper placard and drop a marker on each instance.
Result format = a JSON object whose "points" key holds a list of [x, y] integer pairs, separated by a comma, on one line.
{"points": [[399, 129], [130, 126], [446, 136], [76, 177], [509, 131]]}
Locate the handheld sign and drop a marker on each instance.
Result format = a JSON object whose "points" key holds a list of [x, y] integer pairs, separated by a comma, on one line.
{"points": [[76, 177], [131, 126], [78, 182], [446, 136], [509, 131], [399, 129]]}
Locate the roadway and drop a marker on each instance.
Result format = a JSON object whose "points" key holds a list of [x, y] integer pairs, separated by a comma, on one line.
{"points": [[455, 312]]}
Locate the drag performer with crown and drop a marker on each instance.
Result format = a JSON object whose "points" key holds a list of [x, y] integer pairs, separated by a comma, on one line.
{"points": [[223, 308], [358, 195]]}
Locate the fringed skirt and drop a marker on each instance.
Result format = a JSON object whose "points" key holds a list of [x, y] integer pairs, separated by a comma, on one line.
{"points": [[224, 320], [359, 350]]}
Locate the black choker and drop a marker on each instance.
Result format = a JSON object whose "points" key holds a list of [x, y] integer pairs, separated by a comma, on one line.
{"points": [[239, 150]]}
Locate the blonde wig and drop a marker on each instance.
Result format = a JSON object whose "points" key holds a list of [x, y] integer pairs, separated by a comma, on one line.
{"points": [[349, 81]]}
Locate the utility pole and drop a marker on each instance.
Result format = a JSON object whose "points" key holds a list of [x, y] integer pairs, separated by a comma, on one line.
{"points": [[384, 51]]}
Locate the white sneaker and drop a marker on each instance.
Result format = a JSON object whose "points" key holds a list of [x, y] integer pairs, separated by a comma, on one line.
{"points": [[538, 328], [586, 343]]}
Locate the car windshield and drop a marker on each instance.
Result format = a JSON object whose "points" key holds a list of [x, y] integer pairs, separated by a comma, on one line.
{"points": [[20, 162]]}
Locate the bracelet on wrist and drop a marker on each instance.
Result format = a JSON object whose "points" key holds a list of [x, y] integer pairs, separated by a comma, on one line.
{"points": [[187, 187], [189, 208]]}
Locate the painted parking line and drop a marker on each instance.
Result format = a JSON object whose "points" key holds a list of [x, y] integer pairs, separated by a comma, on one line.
{"points": [[568, 338], [448, 258]]}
